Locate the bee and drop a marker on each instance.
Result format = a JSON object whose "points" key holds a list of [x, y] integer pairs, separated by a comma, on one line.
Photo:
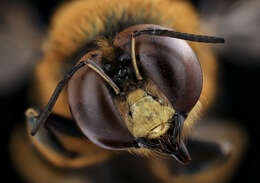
{"points": [[132, 81], [133, 88], [152, 111]]}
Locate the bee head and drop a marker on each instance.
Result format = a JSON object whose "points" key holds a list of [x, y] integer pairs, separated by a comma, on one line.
{"points": [[136, 91]]}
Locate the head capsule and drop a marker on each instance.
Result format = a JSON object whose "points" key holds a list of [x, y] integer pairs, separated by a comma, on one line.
{"points": [[148, 112], [135, 91]]}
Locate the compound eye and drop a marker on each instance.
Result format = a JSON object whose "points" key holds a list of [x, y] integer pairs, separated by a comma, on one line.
{"points": [[173, 66], [170, 63], [92, 107]]}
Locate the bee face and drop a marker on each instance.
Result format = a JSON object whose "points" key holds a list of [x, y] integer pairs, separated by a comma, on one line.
{"points": [[153, 108]]}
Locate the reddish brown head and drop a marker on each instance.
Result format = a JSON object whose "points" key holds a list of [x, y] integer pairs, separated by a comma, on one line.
{"points": [[154, 98]]}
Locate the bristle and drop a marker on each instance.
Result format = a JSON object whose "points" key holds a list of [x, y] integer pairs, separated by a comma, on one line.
{"points": [[107, 49], [193, 116], [147, 153]]}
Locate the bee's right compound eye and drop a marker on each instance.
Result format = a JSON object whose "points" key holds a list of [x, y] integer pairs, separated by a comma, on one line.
{"points": [[93, 109]]}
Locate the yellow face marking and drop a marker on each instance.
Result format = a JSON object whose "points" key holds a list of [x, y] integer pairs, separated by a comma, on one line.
{"points": [[149, 117]]}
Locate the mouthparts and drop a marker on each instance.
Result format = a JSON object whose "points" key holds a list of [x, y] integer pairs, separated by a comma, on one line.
{"points": [[171, 143]]}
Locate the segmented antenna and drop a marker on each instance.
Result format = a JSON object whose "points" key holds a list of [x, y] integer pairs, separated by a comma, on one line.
{"points": [[180, 35], [41, 119]]}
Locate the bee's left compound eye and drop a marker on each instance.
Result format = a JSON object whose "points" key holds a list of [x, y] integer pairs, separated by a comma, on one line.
{"points": [[173, 66], [170, 63]]}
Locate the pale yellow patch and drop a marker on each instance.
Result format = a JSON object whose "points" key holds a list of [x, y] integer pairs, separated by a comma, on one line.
{"points": [[134, 96], [149, 117]]}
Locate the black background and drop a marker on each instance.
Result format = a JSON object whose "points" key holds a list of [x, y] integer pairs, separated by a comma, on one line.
{"points": [[237, 99]]}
